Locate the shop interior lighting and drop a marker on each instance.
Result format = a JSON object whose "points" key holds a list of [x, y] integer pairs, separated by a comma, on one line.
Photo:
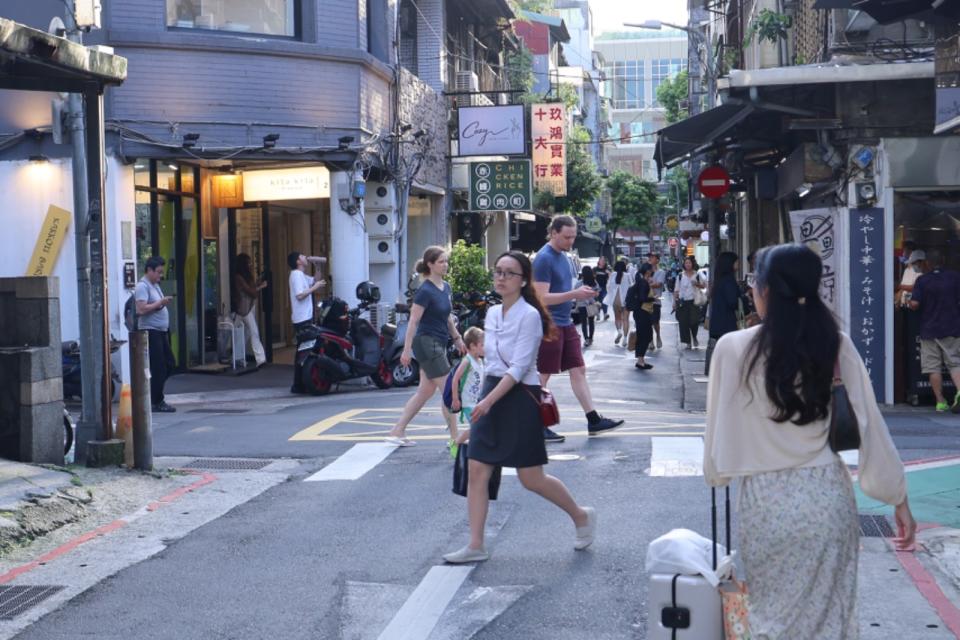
{"points": [[270, 140], [172, 166]]}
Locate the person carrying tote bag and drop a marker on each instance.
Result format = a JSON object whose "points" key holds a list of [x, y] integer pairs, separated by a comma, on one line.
{"points": [[507, 426], [769, 414]]}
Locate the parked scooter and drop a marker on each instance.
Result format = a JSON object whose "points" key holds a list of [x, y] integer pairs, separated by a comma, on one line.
{"points": [[70, 360], [344, 346]]}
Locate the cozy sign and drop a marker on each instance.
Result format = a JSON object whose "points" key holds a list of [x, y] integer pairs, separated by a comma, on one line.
{"points": [[492, 131]]}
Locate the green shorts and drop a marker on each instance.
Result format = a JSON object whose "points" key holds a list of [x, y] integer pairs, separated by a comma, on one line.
{"points": [[431, 355]]}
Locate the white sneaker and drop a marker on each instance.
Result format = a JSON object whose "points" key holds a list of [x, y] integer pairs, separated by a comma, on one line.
{"points": [[466, 555], [587, 532]]}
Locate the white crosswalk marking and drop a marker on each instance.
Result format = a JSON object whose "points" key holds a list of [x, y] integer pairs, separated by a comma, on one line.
{"points": [[422, 610], [355, 462], [680, 456]]}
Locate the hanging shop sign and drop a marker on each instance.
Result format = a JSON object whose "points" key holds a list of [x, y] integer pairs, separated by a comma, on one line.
{"points": [[227, 191], [492, 131], [49, 242], [301, 183], [817, 228], [548, 131], [867, 299], [500, 186]]}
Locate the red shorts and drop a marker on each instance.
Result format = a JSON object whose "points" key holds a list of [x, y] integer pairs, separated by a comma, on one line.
{"points": [[562, 353]]}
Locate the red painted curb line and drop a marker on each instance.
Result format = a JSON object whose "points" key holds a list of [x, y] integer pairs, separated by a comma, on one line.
{"points": [[65, 548], [928, 587]]}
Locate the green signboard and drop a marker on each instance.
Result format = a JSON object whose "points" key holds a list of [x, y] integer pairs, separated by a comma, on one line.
{"points": [[500, 186]]}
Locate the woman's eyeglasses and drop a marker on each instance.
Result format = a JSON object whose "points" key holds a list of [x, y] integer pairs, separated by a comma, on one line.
{"points": [[499, 273]]}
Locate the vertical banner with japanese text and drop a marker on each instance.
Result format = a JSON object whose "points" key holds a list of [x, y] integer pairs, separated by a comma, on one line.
{"points": [[867, 319], [817, 228], [548, 128]]}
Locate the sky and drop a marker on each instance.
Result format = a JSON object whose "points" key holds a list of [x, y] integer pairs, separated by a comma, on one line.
{"points": [[609, 15]]}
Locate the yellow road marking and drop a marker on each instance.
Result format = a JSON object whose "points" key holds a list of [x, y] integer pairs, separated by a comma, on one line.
{"points": [[316, 430]]}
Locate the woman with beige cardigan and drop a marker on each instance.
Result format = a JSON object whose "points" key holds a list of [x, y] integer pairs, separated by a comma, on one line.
{"points": [[768, 411]]}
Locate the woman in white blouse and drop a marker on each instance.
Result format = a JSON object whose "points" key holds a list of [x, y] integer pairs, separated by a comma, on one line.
{"points": [[684, 302], [768, 413], [506, 428], [617, 286]]}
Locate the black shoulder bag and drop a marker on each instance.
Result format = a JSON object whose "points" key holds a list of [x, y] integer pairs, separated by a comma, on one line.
{"points": [[844, 430]]}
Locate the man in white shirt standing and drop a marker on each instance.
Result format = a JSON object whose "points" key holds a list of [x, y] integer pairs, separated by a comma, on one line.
{"points": [[302, 288]]}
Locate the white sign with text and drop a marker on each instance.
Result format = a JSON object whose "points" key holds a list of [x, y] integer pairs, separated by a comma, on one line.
{"points": [[492, 131]]}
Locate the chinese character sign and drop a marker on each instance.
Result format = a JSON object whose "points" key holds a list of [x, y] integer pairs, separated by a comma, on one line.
{"points": [[867, 320], [548, 126], [817, 229]]}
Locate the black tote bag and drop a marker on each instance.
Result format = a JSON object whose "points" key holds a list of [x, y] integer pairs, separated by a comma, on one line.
{"points": [[461, 479]]}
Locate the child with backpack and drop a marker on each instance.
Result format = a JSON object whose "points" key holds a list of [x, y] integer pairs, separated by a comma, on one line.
{"points": [[467, 382]]}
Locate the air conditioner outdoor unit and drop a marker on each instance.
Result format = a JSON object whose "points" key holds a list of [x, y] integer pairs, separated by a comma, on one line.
{"points": [[467, 81], [380, 222], [383, 250], [378, 196]]}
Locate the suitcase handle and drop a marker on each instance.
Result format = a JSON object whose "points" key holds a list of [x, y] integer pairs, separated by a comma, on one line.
{"points": [[713, 520]]}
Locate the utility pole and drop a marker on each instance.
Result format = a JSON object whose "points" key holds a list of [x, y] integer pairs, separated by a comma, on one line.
{"points": [[88, 236]]}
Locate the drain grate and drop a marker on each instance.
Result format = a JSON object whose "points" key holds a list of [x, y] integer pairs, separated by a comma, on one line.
{"points": [[226, 464], [15, 600], [875, 527], [219, 411]]}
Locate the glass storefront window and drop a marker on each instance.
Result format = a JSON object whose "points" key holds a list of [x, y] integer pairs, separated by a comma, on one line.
{"points": [[270, 17]]}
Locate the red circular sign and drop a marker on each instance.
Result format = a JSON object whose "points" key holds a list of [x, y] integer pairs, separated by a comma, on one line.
{"points": [[713, 182]]}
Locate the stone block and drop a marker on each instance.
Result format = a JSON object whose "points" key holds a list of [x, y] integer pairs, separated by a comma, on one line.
{"points": [[41, 433], [41, 363], [41, 391], [105, 453], [37, 323], [37, 287]]}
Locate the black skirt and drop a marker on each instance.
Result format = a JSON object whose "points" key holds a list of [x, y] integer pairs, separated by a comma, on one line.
{"points": [[511, 434]]}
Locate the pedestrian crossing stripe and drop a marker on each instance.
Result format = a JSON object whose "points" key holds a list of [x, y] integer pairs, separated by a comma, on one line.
{"points": [[380, 421]]}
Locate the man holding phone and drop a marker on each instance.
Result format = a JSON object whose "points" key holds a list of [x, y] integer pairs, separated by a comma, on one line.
{"points": [[302, 288], [154, 318]]}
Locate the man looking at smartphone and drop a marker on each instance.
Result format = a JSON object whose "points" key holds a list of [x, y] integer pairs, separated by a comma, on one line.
{"points": [[153, 316]]}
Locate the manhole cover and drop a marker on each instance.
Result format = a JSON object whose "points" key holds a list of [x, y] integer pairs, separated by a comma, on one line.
{"points": [[563, 457], [226, 464], [875, 527], [218, 411], [15, 600]]}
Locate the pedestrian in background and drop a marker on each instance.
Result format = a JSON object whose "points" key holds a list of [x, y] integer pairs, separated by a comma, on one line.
{"points": [[914, 268], [551, 274], [768, 415], [302, 288], [602, 274], [936, 295], [507, 428], [684, 303], [658, 284], [248, 290], [640, 301], [152, 315], [430, 328], [620, 282], [587, 310], [727, 306]]}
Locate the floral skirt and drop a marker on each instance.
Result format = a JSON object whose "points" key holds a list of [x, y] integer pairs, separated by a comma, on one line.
{"points": [[800, 542]]}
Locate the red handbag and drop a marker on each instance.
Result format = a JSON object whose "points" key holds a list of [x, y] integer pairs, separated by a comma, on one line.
{"points": [[549, 412]]}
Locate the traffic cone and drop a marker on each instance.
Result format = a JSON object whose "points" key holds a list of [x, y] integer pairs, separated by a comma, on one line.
{"points": [[124, 430]]}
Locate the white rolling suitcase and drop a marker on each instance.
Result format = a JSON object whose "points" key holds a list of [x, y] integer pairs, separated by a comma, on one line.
{"points": [[687, 607]]}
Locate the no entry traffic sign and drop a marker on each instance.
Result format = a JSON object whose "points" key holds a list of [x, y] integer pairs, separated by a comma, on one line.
{"points": [[713, 182]]}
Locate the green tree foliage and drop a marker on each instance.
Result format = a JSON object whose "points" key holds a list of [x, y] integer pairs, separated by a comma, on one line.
{"points": [[633, 202], [672, 94], [520, 69], [468, 271], [678, 183], [583, 181]]}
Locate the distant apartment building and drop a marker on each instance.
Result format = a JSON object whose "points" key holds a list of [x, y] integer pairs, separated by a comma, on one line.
{"points": [[636, 63]]}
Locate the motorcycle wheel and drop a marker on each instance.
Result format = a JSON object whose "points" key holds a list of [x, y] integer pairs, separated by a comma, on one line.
{"points": [[314, 378], [67, 433], [405, 376], [383, 378]]}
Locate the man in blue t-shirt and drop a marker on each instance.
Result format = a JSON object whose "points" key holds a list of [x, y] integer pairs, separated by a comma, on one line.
{"points": [[553, 279], [936, 295]]}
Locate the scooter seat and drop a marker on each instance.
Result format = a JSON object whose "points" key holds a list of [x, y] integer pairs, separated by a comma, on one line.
{"points": [[69, 347]]}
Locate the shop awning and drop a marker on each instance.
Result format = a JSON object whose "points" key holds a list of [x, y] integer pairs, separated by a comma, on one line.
{"points": [[827, 73], [35, 60], [697, 133]]}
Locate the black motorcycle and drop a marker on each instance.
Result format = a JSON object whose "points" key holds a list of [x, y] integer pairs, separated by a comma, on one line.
{"points": [[70, 361], [344, 346]]}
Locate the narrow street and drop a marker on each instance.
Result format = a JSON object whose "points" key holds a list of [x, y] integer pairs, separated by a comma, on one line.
{"points": [[340, 537]]}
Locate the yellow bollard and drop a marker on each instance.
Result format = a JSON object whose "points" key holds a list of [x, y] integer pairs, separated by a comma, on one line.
{"points": [[124, 428]]}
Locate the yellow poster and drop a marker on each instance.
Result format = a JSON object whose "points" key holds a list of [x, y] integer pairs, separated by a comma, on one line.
{"points": [[51, 237]]}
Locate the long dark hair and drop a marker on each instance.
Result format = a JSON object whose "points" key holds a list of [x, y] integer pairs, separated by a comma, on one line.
{"points": [[620, 268], [724, 270], [799, 339], [586, 274], [244, 266], [529, 293]]}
